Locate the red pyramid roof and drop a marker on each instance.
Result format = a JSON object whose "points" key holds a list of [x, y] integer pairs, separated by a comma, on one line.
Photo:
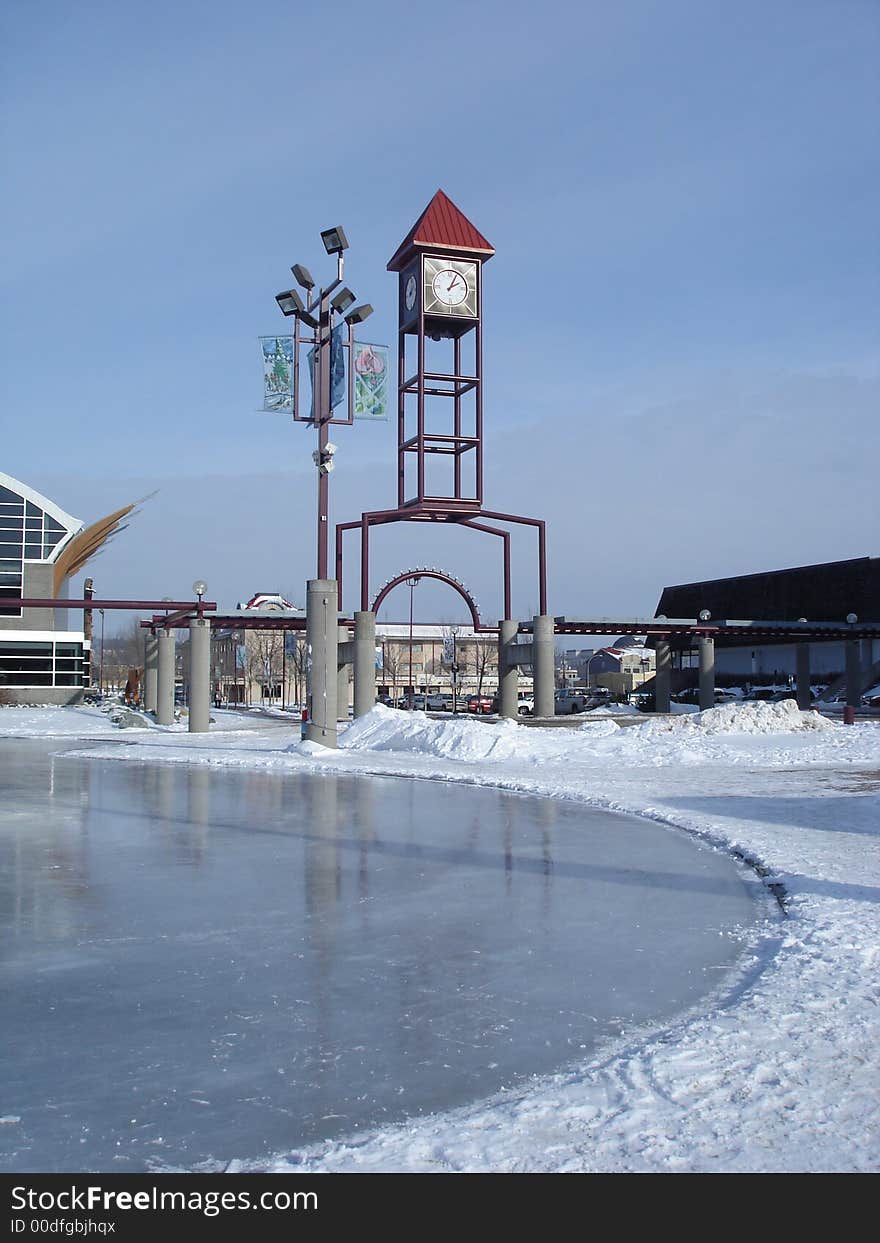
{"points": [[441, 226]]}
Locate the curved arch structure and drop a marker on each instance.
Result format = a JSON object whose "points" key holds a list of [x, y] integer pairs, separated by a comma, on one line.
{"points": [[441, 577]]}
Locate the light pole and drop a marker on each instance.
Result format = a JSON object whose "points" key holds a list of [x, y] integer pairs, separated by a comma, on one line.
{"points": [[590, 660], [411, 583], [325, 335], [101, 673]]}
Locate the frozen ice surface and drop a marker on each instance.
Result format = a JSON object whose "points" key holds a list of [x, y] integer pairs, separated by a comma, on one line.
{"points": [[202, 964]]}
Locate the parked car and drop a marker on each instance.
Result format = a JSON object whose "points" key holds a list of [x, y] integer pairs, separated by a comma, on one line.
{"points": [[481, 705], [438, 703], [565, 701], [568, 701]]}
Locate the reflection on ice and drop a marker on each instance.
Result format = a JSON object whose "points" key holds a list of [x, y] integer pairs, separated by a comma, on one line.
{"points": [[203, 964]]}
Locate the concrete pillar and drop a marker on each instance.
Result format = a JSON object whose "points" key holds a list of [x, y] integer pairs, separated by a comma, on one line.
{"points": [[543, 664], [199, 675], [663, 677], [802, 675], [151, 670], [321, 664], [165, 640], [364, 661], [343, 675], [508, 673], [707, 672], [867, 659], [853, 680]]}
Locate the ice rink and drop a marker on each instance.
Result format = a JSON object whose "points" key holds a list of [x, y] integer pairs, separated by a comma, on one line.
{"points": [[202, 964]]}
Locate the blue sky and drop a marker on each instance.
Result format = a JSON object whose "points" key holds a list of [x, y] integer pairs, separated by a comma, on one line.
{"points": [[681, 318]]}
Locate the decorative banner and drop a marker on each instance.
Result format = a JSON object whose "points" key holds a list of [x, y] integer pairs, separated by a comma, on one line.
{"points": [[370, 381], [337, 370], [277, 373], [448, 648], [380, 657]]}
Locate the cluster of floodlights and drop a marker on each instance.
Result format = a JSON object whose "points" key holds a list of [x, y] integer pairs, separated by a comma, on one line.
{"points": [[323, 458], [291, 302]]}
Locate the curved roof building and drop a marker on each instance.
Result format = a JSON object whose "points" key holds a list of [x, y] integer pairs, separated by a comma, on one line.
{"points": [[41, 547]]}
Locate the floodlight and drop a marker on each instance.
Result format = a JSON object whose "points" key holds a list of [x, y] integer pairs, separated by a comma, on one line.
{"points": [[335, 241], [343, 300], [329, 448], [704, 615], [303, 276], [290, 302], [359, 314], [852, 618]]}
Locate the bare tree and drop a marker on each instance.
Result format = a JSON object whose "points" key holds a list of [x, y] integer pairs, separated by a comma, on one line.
{"points": [[485, 654], [392, 662], [296, 667], [265, 660]]}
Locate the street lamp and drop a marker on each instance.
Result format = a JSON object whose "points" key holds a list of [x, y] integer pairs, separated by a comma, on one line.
{"points": [[324, 333], [411, 583], [590, 660], [101, 672]]}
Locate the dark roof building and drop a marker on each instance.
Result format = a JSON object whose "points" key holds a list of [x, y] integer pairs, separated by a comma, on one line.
{"points": [[826, 592]]}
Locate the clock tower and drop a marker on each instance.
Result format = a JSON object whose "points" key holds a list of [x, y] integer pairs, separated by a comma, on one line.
{"points": [[439, 266], [440, 358]]}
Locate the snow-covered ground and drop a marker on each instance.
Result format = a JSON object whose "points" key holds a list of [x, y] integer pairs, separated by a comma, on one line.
{"points": [[781, 1072]]}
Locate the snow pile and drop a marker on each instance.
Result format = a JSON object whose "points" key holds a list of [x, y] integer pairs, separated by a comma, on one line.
{"points": [[85, 721], [759, 717], [386, 729], [43, 722]]}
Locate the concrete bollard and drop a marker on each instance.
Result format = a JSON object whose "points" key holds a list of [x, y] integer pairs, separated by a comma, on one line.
{"points": [[343, 673], [543, 665], [151, 670], [321, 663], [663, 678], [165, 679], [707, 672], [802, 674], [508, 673], [199, 676], [364, 661]]}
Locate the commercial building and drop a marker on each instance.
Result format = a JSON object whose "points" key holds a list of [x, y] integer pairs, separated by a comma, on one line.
{"points": [[44, 653], [831, 591]]}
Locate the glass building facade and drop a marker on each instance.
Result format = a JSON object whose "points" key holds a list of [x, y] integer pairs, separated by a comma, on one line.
{"points": [[27, 533], [40, 659]]}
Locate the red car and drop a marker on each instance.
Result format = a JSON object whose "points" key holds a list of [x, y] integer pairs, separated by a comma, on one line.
{"points": [[482, 705]]}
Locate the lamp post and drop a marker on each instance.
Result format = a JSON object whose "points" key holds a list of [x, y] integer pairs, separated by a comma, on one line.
{"points": [[101, 670], [319, 317], [590, 660], [411, 583]]}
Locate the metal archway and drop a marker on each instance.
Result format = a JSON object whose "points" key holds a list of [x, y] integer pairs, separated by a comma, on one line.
{"points": [[442, 577]]}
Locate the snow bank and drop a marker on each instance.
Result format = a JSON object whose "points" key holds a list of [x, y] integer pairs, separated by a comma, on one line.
{"points": [[36, 722], [759, 717], [385, 729]]}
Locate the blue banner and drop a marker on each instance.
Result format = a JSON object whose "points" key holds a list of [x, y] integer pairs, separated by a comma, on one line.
{"points": [[277, 373], [337, 370]]}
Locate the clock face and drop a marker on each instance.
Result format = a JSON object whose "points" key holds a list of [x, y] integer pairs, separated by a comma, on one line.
{"points": [[409, 295], [450, 287]]}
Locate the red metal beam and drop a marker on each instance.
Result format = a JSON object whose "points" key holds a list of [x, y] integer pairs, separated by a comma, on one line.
{"points": [[134, 606]]}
